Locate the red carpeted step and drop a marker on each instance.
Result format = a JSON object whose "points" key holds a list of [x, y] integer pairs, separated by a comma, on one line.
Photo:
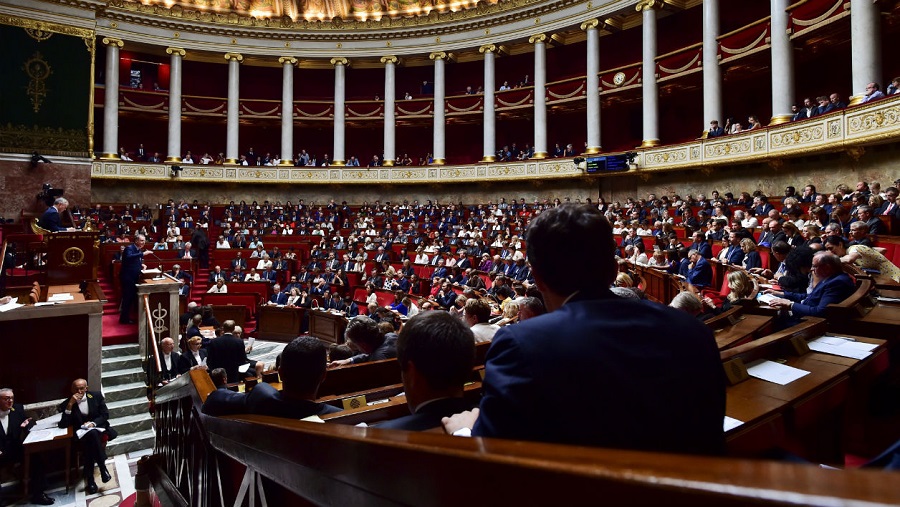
{"points": [[115, 333]]}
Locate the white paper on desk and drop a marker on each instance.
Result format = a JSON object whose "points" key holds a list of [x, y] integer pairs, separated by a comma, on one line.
{"points": [[841, 347], [62, 296], [12, 305], [766, 298], [731, 423], [885, 299], [47, 422], [770, 371], [313, 418], [45, 303], [80, 432], [45, 434]]}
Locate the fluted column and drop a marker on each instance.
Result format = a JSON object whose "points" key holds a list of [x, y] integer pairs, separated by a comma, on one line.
{"points": [[174, 149], [593, 85], [648, 73], [390, 121], [865, 41], [490, 143], [234, 96], [287, 109], [440, 93], [712, 74], [340, 72], [540, 94], [782, 64], [111, 100]]}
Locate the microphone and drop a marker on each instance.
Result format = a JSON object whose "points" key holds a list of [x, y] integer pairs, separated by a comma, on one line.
{"points": [[160, 264]]}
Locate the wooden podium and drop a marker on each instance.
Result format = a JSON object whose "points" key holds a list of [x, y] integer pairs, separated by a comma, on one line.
{"points": [[158, 308], [72, 257]]}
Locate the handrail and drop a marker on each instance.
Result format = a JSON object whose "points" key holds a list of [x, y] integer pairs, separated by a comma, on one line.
{"points": [[155, 368], [316, 462]]}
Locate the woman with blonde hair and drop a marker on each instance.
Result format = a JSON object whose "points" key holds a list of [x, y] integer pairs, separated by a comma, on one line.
{"points": [[751, 256], [812, 234]]}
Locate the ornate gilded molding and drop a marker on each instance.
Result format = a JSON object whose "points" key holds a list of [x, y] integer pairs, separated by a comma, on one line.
{"points": [[340, 60], [234, 56], [176, 51], [488, 48], [287, 59], [112, 41], [439, 55], [589, 24], [646, 5], [43, 26], [540, 37], [52, 141], [390, 59]]}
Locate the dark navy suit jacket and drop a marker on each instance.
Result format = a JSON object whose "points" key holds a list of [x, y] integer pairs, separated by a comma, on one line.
{"points": [[701, 274], [223, 401], [266, 400], [429, 416], [629, 374], [829, 291], [50, 220]]}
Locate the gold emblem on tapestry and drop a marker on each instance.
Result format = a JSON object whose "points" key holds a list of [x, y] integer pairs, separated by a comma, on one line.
{"points": [[38, 70]]}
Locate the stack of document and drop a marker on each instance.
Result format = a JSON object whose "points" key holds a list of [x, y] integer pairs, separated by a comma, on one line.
{"points": [[777, 373], [841, 346], [62, 296]]}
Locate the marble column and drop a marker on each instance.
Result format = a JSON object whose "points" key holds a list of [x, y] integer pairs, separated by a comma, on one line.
{"points": [[440, 94], [540, 94], [865, 41], [712, 74], [340, 72], [111, 100], [650, 89], [782, 64], [232, 150], [490, 142], [592, 82], [175, 73], [390, 99], [287, 109]]}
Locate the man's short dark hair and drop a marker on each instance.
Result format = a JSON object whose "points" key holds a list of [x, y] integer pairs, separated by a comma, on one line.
{"points": [[219, 377], [836, 240], [781, 247], [362, 329], [479, 309], [572, 238], [441, 346], [303, 361]]}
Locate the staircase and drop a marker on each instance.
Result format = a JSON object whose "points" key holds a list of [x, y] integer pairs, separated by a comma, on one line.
{"points": [[125, 391]]}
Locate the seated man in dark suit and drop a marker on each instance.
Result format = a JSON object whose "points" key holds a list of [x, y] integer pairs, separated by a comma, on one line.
{"points": [[224, 401], [701, 245], [363, 332], [734, 254], [866, 216], [51, 220], [12, 434], [436, 352], [86, 410], [302, 370], [832, 285], [859, 234], [592, 346], [227, 351], [699, 271], [890, 207], [168, 360], [278, 297]]}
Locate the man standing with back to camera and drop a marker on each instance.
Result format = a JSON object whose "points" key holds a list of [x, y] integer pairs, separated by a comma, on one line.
{"points": [[598, 370]]}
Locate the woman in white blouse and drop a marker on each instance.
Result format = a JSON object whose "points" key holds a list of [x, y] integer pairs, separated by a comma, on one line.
{"points": [[218, 288], [421, 256]]}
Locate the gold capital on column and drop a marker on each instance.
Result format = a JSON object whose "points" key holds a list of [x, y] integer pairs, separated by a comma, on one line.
{"points": [[234, 56], [437, 55], [591, 23], [646, 5], [540, 37], [488, 48], [112, 41], [287, 59], [390, 59], [176, 51], [340, 60]]}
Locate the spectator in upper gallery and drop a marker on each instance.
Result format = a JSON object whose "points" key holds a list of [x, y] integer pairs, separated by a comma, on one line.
{"points": [[809, 109], [825, 105], [873, 92], [570, 151], [894, 87], [732, 126], [836, 101], [715, 130], [753, 123], [188, 158], [795, 112], [375, 162]]}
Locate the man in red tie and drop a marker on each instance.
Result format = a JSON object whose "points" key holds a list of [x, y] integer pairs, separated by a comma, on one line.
{"points": [[890, 207]]}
